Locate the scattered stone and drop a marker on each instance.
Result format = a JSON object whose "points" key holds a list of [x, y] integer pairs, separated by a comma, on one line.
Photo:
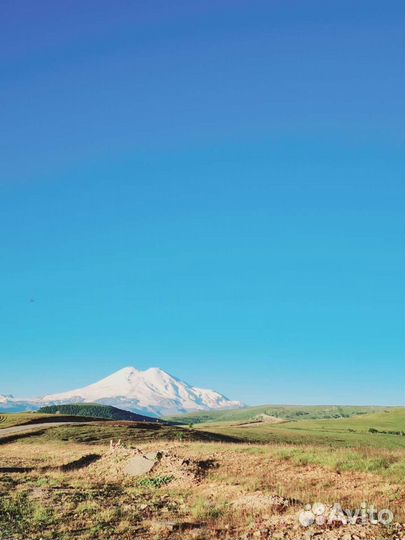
{"points": [[140, 464]]}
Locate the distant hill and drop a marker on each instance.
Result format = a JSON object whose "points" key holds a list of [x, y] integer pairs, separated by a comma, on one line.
{"points": [[282, 412], [95, 410]]}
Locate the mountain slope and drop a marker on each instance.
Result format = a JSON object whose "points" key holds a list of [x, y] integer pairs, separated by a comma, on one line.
{"points": [[151, 392]]}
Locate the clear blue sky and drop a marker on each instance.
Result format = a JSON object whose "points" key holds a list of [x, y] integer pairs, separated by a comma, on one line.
{"points": [[214, 188]]}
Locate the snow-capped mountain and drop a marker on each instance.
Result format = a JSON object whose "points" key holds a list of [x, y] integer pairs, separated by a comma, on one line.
{"points": [[152, 392]]}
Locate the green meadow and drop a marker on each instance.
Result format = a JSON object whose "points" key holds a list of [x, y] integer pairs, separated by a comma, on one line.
{"points": [[356, 431], [281, 412]]}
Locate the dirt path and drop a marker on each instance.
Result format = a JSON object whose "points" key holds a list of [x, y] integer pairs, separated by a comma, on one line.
{"points": [[5, 432]]}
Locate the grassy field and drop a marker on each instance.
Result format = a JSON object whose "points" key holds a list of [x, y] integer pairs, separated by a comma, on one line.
{"points": [[130, 433], [342, 432], [224, 480], [282, 412], [23, 419], [16, 419]]}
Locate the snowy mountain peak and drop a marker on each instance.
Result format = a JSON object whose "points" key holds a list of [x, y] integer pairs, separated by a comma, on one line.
{"points": [[125, 373], [153, 392]]}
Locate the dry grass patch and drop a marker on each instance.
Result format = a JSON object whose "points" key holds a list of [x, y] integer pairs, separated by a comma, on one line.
{"points": [[215, 490]]}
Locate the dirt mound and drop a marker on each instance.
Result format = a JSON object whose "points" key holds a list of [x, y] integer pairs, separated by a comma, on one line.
{"points": [[113, 464], [121, 463], [183, 470]]}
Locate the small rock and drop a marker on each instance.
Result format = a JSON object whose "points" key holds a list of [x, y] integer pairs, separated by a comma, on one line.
{"points": [[347, 536]]}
